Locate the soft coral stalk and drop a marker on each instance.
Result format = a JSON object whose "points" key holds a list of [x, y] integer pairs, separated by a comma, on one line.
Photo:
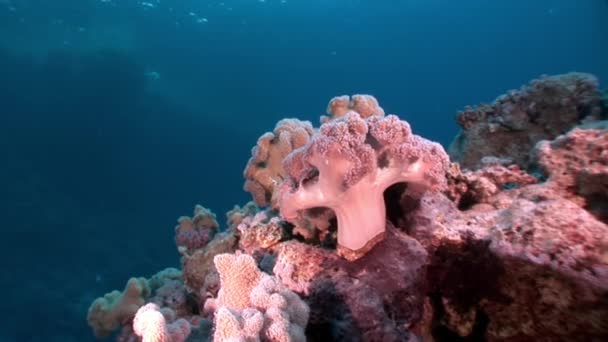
{"points": [[349, 164]]}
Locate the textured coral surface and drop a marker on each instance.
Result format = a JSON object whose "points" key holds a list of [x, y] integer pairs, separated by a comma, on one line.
{"points": [[362, 231]]}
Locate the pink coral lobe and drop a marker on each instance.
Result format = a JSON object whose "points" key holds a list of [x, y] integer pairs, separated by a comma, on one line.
{"points": [[150, 324]]}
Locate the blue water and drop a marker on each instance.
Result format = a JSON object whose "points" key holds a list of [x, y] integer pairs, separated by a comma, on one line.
{"points": [[116, 117]]}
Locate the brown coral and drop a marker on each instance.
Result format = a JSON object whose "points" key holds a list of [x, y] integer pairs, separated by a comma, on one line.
{"points": [[264, 171], [106, 314], [364, 105]]}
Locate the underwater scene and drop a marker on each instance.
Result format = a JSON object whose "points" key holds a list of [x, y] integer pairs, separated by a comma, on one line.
{"points": [[304, 170]]}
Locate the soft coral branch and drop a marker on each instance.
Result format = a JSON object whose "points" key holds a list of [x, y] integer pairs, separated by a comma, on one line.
{"points": [[349, 164]]}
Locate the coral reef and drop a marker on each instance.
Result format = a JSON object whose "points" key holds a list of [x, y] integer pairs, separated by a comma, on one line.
{"points": [[508, 241], [578, 162], [515, 122]]}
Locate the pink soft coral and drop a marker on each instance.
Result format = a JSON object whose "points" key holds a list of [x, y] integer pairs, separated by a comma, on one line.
{"points": [[254, 306], [349, 164]]}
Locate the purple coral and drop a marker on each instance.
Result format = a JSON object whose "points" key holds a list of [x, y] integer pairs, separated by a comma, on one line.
{"points": [[349, 164]]}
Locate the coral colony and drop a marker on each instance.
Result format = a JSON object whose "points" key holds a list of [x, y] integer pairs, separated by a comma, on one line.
{"points": [[361, 230]]}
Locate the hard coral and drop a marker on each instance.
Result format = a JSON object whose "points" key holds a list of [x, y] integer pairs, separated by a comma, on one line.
{"points": [[349, 164], [470, 188], [536, 269], [578, 162], [515, 122], [528, 262], [376, 298], [264, 171]]}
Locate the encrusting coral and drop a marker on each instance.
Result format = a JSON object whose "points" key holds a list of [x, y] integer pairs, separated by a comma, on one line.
{"points": [[508, 241], [515, 122]]}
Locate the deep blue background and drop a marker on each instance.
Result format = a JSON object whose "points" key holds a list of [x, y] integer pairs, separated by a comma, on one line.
{"points": [[98, 159]]}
